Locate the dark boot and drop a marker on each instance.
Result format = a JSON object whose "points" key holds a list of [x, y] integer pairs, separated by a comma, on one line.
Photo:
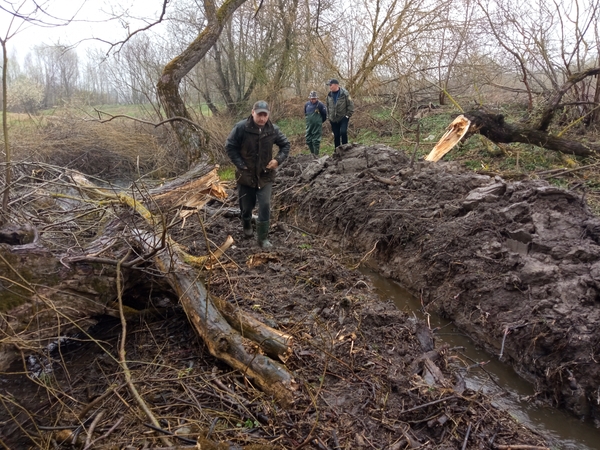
{"points": [[310, 147], [247, 225], [316, 149], [262, 234]]}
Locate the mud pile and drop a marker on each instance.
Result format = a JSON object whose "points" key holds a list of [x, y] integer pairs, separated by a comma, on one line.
{"points": [[516, 265]]}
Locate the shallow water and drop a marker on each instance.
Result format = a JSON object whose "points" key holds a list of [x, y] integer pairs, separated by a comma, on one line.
{"points": [[498, 380]]}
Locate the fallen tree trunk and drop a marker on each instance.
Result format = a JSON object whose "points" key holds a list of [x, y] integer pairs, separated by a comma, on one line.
{"points": [[221, 339], [493, 127], [42, 298], [151, 242]]}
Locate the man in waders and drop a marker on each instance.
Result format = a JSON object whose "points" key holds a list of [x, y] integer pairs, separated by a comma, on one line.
{"points": [[315, 114]]}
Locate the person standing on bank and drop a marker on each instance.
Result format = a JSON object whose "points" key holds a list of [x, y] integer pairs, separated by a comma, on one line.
{"points": [[250, 148], [315, 114], [340, 108]]}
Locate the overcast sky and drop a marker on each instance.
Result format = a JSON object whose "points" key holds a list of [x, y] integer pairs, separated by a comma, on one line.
{"points": [[88, 19]]}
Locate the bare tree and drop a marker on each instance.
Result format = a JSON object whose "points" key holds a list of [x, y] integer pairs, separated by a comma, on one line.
{"points": [[551, 45], [57, 69], [174, 72]]}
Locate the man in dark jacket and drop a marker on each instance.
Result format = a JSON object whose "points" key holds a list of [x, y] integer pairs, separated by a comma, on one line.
{"points": [[340, 108], [250, 148]]}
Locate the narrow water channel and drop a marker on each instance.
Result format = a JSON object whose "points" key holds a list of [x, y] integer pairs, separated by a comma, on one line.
{"points": [[498, 380]]}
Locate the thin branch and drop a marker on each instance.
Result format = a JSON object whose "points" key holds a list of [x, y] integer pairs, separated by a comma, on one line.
{"points": [[147, 122]]}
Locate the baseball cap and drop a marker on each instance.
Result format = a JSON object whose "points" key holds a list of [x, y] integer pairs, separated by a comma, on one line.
{"points": [[261, 107], [333, 81]]}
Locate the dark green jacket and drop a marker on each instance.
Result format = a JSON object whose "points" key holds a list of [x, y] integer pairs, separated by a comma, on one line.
{"points": [[340, 109], [251, 148]]}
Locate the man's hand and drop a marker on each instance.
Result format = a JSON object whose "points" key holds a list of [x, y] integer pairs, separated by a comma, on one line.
{"points": [[273, 164]]}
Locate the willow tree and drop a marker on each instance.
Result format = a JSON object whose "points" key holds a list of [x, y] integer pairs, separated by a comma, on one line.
{"points": [[189, 135]]}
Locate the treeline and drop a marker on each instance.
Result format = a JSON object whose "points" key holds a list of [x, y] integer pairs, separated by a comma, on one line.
{"points": [[405, 52]]}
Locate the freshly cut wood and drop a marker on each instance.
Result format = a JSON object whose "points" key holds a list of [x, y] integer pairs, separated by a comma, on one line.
{"points": [[454, 133], [192, 195], [494, 127]]}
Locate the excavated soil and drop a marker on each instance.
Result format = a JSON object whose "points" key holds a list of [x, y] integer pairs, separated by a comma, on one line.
{"points": [[516, 265], [513, 264]]}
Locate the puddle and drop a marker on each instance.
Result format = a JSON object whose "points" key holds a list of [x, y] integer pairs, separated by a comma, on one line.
{"points": [[497, 380]]}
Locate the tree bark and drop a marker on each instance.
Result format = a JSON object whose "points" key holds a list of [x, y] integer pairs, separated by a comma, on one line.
{"points": [[44, 298], [168, 85], [221, 339], [497, 130]]}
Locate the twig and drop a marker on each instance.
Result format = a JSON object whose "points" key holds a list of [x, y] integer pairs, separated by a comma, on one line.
{"points": [[366, 255], [304, 443], [336, 441], [135, 119], [319, 444], [464, 446], [122, 360], [521, 447], [162, 430], [97, 400], [506, 331], [566, 171], [95, 422], [105, 435], [429, 404]]}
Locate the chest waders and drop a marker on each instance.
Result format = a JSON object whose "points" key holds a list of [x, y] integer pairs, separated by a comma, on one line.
{"points": [[314, 130]]}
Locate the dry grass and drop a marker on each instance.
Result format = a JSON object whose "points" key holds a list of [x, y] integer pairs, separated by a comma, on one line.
{"points": [[114, 150]]}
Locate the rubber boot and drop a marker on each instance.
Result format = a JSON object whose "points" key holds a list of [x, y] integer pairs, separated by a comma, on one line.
{"points": [[310, 147], [262, 234], [247, 225], [316, 149]]}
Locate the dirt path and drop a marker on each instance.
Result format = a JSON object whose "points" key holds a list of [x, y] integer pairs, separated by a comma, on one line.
{"points": [[514, 265]]}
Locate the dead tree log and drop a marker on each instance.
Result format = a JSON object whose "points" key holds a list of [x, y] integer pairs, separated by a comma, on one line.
{"points": [[54, 290], [221, 339], [494, 127], [39, 295]]}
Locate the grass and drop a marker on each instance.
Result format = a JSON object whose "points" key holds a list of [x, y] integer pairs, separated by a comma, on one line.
{"points": [[227, 173]]}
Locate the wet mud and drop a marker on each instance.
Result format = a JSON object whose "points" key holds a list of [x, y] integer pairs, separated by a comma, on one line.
{"points": [[512, 264], [515, 265]]}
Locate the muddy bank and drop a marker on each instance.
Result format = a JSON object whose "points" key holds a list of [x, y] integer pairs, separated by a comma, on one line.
{"points": [[516, 265], [367, 375]]}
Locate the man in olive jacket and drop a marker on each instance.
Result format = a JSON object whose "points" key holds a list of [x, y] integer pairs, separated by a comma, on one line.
{"points": [[340, 108], [250, 148]]}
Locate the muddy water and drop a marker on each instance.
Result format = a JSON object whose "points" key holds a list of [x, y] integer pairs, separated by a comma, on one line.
{"points": [[498, 380]]}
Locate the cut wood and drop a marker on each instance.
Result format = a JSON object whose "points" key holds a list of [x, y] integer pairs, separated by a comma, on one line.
{"points": [[454, 133], [493, 127]]}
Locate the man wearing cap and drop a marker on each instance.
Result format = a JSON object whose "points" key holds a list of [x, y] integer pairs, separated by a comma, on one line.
{"points": [[315, 114], [340, 108], [250, 148]]}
